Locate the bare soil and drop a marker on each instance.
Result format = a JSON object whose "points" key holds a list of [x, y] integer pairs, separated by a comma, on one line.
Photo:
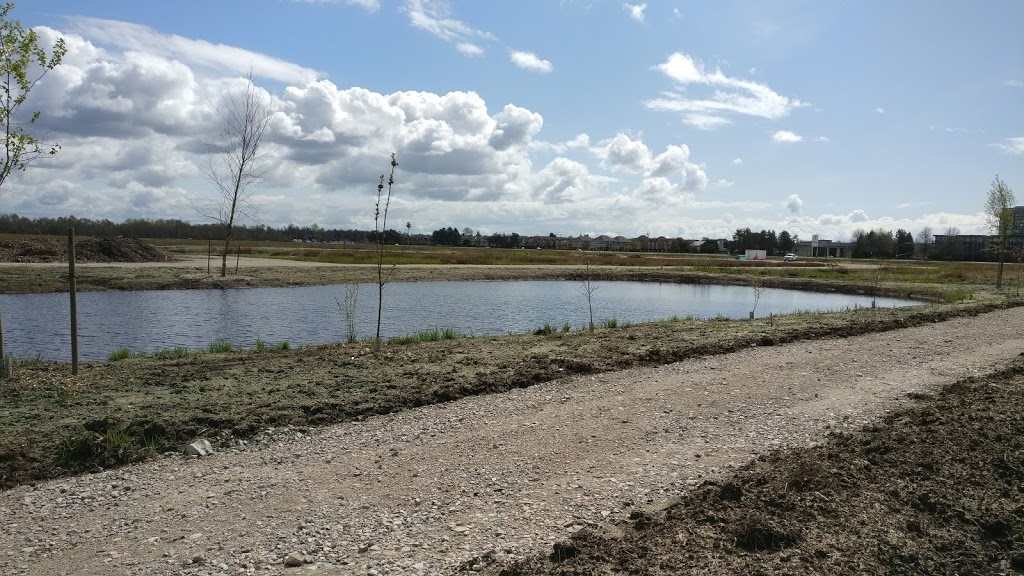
{"points": [[934, 488], [87, 250]]}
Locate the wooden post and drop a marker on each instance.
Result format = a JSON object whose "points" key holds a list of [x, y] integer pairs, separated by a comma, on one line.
{"points": [[5, 368], [74, 301], [238, 256], [209, 252]]}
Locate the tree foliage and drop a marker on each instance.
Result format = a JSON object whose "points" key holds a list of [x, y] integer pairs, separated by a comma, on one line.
{"points": [[23, 62], [447, 237], [999, 217]]}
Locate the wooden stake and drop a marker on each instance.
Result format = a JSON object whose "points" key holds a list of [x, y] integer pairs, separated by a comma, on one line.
{"points": [[74, 301]]}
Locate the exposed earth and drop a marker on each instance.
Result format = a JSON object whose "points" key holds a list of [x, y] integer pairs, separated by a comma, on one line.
{"points": [[640, 471], [87, 250]]}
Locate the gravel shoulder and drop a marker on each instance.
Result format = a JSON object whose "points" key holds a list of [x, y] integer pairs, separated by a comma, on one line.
{"points": [[485, 478]]}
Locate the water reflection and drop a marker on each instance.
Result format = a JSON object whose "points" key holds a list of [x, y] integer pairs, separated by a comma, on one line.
{"points": [[145, 321]]}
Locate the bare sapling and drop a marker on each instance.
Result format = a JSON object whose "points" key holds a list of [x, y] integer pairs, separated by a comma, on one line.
{"points": [[380, 226], [5, 365], [236, 160], [348, 308], [757, 283], [588, 288]]}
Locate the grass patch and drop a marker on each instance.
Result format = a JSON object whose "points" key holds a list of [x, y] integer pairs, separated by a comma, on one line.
{"points": [[282, 345], [432, 335], [609, 323], [124, 354], [959, 295], [172, 353], [219, 347]]}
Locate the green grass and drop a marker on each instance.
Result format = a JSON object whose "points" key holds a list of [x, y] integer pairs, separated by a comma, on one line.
{"points": [[36, 360], [261, 346], [959, 295], [432, 335], [124, 354], [546, 330], [282, 345], [219, 347], [609, 323], [171, 353]]}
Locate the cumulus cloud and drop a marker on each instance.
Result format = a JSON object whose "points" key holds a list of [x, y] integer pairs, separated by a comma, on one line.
{"points": [[738, 161], [624, 154], [731, 96], [530, 61], [880, 110], [1013, 146], [133, 124], [794, 204], [434, 16], [220, 57], [636, 11], [787, 137], [822, 139], [723, 183]]}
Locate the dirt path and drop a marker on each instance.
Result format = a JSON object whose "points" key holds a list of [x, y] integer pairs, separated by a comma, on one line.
{"points": [[427, 490]]}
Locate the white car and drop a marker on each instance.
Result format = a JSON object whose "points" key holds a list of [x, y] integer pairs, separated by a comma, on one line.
{"points": [[789, 257]]}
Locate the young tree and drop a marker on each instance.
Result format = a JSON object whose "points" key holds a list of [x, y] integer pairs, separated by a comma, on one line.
{"points": [[380, 225], [999, 217], [235, 163], [925, 238], [23, 62]]}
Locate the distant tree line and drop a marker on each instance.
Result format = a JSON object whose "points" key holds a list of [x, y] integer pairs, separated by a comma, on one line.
{"points": [[173, 228], [746, 239], [881, 243]]}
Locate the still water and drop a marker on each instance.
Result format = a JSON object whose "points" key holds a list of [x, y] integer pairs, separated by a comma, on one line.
{"points": [[146, 321]]}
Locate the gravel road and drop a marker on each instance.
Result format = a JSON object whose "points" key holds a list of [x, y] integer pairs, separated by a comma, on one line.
{"points": [[434, 489]]}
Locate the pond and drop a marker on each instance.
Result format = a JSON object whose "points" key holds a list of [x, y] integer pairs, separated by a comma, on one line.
{"points": [[146, 321]]}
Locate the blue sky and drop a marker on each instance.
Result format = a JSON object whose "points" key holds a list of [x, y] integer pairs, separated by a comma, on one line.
{"points": [[667, 118]]}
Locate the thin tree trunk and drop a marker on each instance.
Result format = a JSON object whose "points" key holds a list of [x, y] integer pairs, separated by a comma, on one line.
{"points": [[999, 272]]}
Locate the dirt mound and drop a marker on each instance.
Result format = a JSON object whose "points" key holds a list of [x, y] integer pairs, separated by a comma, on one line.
{"points": [[86, 250], [935, 489]]}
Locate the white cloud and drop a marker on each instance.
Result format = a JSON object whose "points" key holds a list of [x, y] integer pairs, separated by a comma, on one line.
{"points": [[218, 57], [1015, 83], [529, 61], [132, 123], [623, 154], [822, 139], [1013, 146], [786, 136], [794, 204], [676, 13], [434, 16], [723, 183], [370, 5], [636, 11], [738, 161], [469, 49], [732, 96], [880, 110]]}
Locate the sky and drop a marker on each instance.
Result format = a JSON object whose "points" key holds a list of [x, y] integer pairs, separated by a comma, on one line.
{"points": [[677, 118]]}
